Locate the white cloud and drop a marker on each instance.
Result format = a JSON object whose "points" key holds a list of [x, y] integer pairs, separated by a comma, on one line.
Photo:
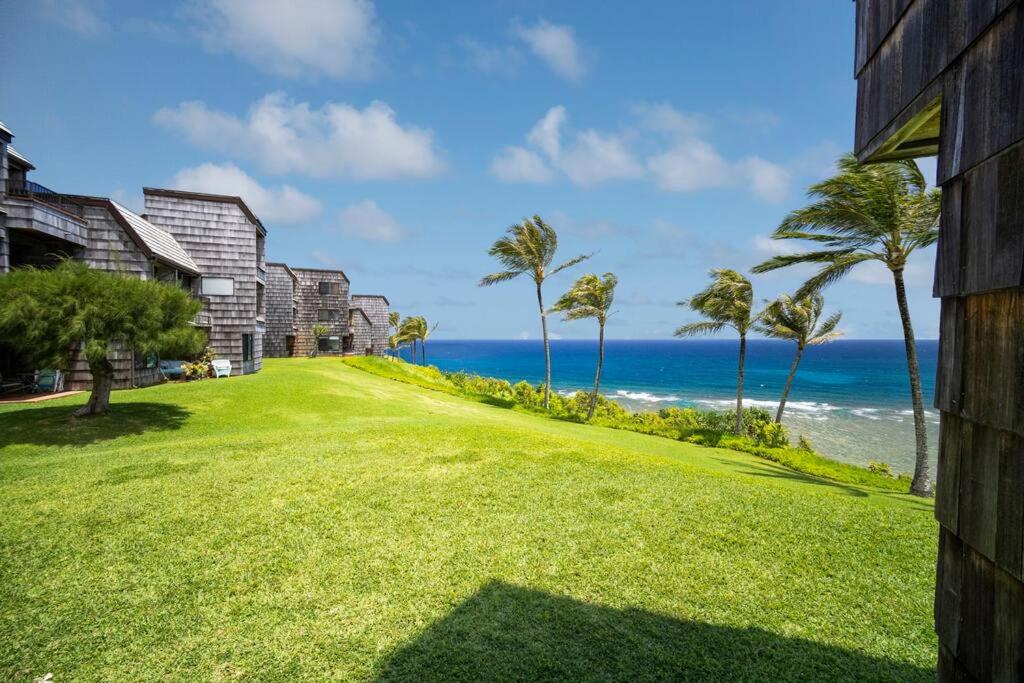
{"points": [[546, 133], [366, 221], [324, 258], [690, 166], [525, 334], [688, 163], [333, 38], [764, 244], [283, 204], [593, 157], [597, 158], [501, 59], [516, 164], [767, 180], [76, 15], [337, 140], [556, 45]]}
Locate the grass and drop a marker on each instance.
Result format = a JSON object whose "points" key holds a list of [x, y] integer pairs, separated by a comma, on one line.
{"points": [[802, 461], [317, 521]]}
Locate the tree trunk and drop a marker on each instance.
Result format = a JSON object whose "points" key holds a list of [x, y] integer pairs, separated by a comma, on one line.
{"points": [[102, 382], [597, 377], [547, 348], [739, 386], [423, 347], [921, 484], [789, 382]]}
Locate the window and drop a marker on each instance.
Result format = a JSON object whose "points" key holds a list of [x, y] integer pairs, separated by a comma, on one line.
{"points": [[217, 286], [330, 288], [247, 348], [145, 361], [328, 315], [328, 344]]}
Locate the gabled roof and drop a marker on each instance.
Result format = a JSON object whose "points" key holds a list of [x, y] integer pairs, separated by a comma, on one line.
{"points": [[371, 296], [159, 243], [17, 156], [204, 197], [152, 241]]}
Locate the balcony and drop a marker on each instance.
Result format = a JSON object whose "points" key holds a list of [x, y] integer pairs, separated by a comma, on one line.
{"points": [[34, 208], [26, 189], [261, 275]]}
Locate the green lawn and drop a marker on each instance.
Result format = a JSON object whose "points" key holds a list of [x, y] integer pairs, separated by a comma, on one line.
{"points": [[315, 521]]}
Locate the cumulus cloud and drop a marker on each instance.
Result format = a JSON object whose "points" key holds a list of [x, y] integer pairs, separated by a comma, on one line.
{"points": [[767, 180], [590, 159], [332, 38], [556, 45], [518, 165], [690, 166], [336, 140], [283, 204], [367, 221]]}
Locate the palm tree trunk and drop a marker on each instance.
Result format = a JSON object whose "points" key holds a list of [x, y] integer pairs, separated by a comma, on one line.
{"points": [[423, 346], [921, 484], [738, 430], [597, 377], [547, 348], [789, 382]]}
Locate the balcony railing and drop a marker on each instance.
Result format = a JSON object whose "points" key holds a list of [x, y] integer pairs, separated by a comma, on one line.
{"points": [[16, 187], [261, 275]]}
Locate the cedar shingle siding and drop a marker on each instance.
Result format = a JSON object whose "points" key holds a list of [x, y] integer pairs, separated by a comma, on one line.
{"points": [[220, 234], [311, 302], [281, 302], [375, 307], [946, 77]]}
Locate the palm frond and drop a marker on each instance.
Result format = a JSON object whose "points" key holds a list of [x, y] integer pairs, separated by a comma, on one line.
{"points": [[703, 327], [570, 263], [495, 278], [833, 272], [786, 260]]}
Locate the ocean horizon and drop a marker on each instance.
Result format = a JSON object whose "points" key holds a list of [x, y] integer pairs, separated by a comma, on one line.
{"points": [[851, 397]]}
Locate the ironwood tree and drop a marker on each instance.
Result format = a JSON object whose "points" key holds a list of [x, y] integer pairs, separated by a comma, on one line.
{"points": [[49, 315]]}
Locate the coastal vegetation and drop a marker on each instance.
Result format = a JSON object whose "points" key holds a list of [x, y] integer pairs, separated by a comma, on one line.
{"points": [[528, 248], [869, 213], [591, 297], [727, 302], [49, 314], [797, 320], [760, 434], [317, 331], [313, 520]]}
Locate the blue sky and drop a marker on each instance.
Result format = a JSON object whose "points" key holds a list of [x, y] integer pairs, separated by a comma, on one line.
{"points": [[396, 141]]}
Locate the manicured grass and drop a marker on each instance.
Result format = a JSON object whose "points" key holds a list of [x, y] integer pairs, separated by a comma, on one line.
{"points": [[814, 464], [315, 521]]}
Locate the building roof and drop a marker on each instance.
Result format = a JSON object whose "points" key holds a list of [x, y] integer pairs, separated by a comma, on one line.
{"points": [[286, 267], [17, 156], [204, 197], [323, 270], [370, 296], [356, 309], [160, 244], [6, 132]]}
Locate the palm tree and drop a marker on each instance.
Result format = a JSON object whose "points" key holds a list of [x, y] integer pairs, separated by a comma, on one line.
{"points": [[727, 302], [424, 330], [797, 319], [394, 322], [528, 248], [591, 297], [879, 212], [408, 331]]}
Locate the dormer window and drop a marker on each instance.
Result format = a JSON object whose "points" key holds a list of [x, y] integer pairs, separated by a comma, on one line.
{"points": [[327, 288]]}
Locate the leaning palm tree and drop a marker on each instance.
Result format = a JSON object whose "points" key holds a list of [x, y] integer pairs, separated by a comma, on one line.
{"points": [[591, 297], [878, 212], [797, 319], [727, 302], [408, 331], [394, 322], [528, 248]]}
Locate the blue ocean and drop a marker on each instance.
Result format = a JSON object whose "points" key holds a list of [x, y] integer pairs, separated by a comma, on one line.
{"points": [[851, 398]]}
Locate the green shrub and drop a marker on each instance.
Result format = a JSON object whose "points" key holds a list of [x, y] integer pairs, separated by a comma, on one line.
{"points": [[769, 434], [879, 467], [804, 444]]}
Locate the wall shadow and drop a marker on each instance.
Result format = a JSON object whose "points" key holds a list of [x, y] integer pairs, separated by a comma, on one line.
{"points": [[506, 632], [56, 426]]}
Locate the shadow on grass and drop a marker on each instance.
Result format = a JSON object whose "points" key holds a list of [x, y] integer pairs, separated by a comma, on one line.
{"points": [[145, 471], [56, 426], [776, 471], [506, 632]]}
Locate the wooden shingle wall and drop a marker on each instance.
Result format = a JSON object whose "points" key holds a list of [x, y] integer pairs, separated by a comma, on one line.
{"points": [[376, 309], [221, 239], [310, 302], [280, 302], [968, 55], [362, 331]]}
